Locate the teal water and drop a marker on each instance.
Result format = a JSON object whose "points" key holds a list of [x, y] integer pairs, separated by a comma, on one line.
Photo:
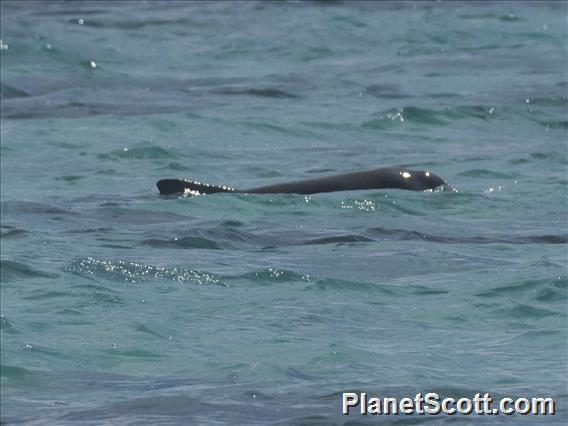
{"points": [[121, 307]]}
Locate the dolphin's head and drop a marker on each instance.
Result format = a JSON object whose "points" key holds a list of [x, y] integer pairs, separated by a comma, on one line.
{"points": [[420, 180]]}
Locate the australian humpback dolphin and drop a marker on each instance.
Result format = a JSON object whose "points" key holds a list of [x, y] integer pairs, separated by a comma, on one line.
{"points": [[382, 178]]}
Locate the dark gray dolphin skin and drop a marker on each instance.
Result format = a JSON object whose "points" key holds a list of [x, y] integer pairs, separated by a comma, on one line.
{"points": [[383, 178]]}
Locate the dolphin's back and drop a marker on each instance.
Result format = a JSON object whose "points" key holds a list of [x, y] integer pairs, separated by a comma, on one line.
{"points": [[371, 179], [382, 178]]}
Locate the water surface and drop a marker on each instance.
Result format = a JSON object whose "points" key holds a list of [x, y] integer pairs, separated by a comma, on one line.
{"points": [[120, 307]]}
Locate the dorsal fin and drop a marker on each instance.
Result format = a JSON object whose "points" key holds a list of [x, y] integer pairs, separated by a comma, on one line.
{"points": [[189, 187]]}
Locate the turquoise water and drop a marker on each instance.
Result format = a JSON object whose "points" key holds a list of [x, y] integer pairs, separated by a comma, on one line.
{"points": [[121, 307]]}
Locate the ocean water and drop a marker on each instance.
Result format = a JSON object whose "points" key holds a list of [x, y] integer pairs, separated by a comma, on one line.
{"points": [[119, 306]]}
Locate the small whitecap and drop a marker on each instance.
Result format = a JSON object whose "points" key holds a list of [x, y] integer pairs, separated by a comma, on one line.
{"points": [[398, 116], [81, 21], [366, 205], [493, 189]]}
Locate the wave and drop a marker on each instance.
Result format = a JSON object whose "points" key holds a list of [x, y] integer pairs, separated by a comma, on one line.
{"points": [[418, 115], [138, 272], [132, 272], [401, 234], [540, 290]]}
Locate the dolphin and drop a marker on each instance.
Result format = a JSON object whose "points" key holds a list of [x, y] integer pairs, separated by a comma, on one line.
{"points": [[381, 178]]}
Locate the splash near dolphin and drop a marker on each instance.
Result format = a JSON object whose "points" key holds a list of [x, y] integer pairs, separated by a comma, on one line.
{"points": [[382, 178]]}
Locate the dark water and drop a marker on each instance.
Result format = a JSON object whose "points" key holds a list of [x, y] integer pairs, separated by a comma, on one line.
{"points": [[119, 307]]}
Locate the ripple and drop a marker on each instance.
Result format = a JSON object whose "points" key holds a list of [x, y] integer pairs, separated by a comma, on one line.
{"points": [[12, 232], [341, 285], [531, 287], [435, 117], [338, 240], [141, 152], [402, 234], [487, 174], [221, 237], [315, 283], [561, 101], [9, 92], [554, 293], [183, 243], [526, 311], [45, 295], [262, 93], [22, 207], [273, 128], [15, 375], [13, 271], [388, 118], [132, 23], [272, 275], [143, 329], [135, 354], [54, 106], [553, 124], [6, 326], [426, 291], [177, 167], [163, 407], [70, 178], [388, 91]]}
